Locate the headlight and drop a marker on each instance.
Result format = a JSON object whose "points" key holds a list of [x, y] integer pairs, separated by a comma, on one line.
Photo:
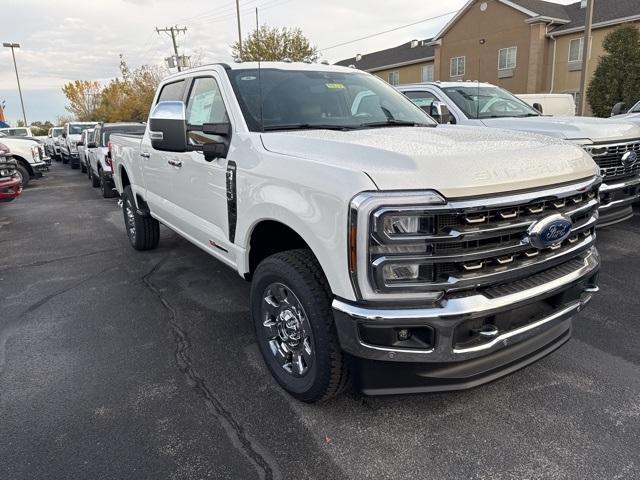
{"points": [[35, 153], [388, 254]]}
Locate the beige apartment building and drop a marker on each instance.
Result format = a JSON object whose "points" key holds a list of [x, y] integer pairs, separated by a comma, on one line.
{"points": [[525, 46]]}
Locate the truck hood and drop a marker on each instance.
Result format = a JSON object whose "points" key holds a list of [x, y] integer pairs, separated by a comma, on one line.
{"points": [[456, 161], [570, 128], [74, 137]]}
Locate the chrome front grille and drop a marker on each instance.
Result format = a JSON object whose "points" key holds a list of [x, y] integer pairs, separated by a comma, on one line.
{"points": [[478, 244], [609, 159]]}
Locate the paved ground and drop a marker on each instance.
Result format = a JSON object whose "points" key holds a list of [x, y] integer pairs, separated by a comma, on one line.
{"points": [[116, 364]]}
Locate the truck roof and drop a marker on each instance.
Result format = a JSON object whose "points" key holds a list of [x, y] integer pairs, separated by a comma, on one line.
{"points": [[449, 84], [312, 67]]}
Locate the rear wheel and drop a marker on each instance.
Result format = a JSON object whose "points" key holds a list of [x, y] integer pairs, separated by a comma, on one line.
{"points": [[291, 311], [95, 180], [23, 174], [83, 167], [106, 185], [143, 231]]}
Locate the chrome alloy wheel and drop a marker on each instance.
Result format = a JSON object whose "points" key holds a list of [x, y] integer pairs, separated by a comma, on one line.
{"points": [[287, 329], [130, 219]]}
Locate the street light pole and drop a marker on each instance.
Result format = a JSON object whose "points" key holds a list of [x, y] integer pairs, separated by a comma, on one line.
{"points": [[15, 66]]}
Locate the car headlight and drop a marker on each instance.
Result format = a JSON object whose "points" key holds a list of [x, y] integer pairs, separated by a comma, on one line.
{"points": [[388, 251], [35, 153]]}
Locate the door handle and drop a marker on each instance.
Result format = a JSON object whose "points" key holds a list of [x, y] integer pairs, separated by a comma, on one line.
{"points": [[145, 154], [175, 163]]}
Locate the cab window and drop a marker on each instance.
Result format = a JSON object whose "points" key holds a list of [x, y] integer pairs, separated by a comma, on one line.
{"points": [[205, 105]]}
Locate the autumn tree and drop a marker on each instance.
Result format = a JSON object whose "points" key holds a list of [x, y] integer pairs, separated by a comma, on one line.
{"points": [[617, 76], [83, 98], [274, 44], [40, 129]]}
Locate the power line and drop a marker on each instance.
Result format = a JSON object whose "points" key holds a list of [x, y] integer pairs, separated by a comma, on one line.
{"points": [[387, 31]]}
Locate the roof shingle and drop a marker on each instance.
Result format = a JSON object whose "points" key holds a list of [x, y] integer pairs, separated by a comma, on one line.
{"points": [[391, 56]]}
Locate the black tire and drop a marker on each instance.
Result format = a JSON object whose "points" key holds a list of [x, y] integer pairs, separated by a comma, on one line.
{"points": [[95, 181], [24, 175], [75, 166], [83, 167], [146, 234], [106, 185], [65, 159], [300, 273]]}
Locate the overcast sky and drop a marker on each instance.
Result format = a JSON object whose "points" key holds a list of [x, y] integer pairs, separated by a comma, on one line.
{"points": [[64, 40]]}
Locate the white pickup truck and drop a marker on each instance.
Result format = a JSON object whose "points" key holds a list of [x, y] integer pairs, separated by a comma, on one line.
{"points": [[69, 143], [30, 157], [410, 256], [615, 146]]}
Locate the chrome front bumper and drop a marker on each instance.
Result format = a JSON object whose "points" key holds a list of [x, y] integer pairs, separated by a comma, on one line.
{"points": [[616, 201], [453, 313]]}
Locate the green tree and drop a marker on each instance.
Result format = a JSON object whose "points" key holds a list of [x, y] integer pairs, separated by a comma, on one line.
{"points": [[83, 97], [40, 129], [274, 44], [617, 76]]}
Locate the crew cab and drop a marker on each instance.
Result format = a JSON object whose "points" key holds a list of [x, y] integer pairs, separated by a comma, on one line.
{"points": [[10, 183], [410, 256], [69, 143], [615, 146], [52, 142], [29, 155], [99, 154]]}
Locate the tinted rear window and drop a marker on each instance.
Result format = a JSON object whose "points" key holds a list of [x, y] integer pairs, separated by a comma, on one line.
{"points": [[172, 92], [133, 129]]}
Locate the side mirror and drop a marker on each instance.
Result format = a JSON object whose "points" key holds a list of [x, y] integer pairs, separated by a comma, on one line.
{"points": [[79, 144], [619, 109], [440, 113], [64, 134], [213, 149], [168, 127], [538, 107]]}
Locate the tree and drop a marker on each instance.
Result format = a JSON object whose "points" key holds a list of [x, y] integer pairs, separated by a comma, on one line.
{"points": [[40, 129], [617, 76], [83, 98], [275, 44]]}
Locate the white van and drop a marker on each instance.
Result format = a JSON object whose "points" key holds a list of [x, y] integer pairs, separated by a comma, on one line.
{"points": [[554, 104]]}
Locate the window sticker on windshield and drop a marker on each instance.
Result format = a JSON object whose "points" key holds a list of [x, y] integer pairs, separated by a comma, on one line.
{"points": [[335, 86]]}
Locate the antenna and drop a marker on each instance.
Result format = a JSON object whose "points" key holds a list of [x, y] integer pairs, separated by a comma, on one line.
{"points": [[259, 73]]}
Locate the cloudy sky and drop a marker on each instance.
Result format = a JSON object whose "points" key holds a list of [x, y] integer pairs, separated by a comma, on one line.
{"points": [[64, 40]]}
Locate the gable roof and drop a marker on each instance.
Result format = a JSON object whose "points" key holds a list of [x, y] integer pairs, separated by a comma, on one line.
{"points": [[609, 12], [392, 57], [532, 8]]}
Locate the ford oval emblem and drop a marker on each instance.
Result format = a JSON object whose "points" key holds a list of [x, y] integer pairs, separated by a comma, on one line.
{"points": [[550, 231], [629, 159]]}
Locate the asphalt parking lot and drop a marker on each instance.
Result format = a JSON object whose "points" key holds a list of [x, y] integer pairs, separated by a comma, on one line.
{"points": [[116, 364]]}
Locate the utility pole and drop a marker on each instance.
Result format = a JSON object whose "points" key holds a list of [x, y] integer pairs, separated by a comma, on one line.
{"points": [[239, 29], [173, 31], [12, 46], [585, 57]]}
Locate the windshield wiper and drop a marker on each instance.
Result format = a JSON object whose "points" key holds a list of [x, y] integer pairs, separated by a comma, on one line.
{"points": [[308, 126], [394, 123]]}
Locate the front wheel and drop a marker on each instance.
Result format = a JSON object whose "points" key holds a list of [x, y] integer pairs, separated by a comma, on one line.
{"points": [[23, 174], [143, 231], [295, 331]]}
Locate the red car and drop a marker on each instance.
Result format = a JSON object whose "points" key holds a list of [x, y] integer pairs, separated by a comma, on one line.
{"points": [[10, 184]]}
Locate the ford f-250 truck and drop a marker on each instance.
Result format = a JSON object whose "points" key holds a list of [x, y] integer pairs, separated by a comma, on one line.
{"points": [[410, 256], [615, 146], [69, 143]]}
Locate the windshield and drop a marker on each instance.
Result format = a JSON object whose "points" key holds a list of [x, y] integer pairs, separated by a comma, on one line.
{"points": [[635, 108], [57, 132], [488, 102], [77, 129], [315, 99]]}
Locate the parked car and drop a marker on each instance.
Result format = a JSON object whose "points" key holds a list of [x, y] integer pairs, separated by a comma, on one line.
{"points": [[16, 131], [69, 142], [100, 171], [29, 155], [83, 148], [552, 104], [52, 143], [10, 182], [430, 257], [615, 146], [620, 110]]}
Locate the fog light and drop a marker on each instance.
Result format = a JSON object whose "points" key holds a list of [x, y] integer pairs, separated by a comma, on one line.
{"points": [[401, 272], [404, 334]]}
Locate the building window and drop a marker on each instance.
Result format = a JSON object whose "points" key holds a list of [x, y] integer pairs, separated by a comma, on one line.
{"points": [[457, 67], [427, 73], [576, 47], [507, 58], [394, 78]]}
